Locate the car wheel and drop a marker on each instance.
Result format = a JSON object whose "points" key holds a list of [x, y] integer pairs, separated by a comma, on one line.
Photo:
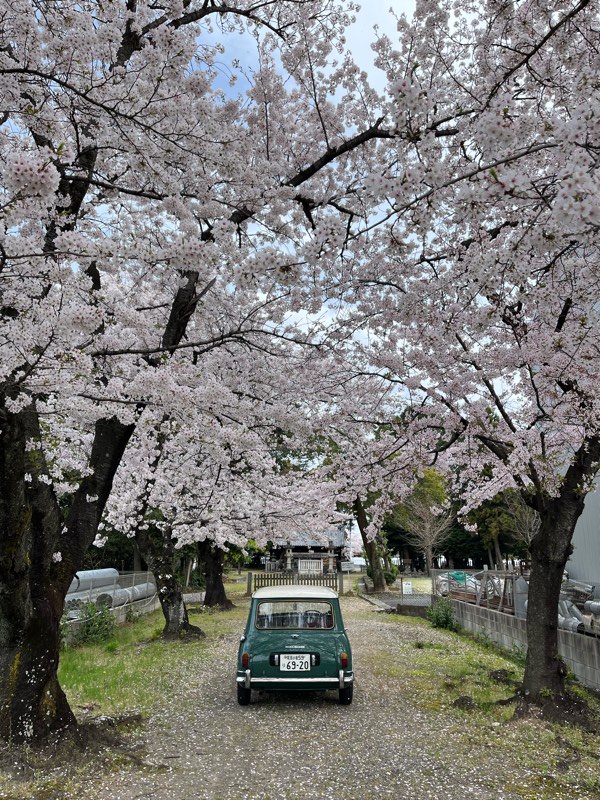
{"points": [[346, 695], [243, 695]]}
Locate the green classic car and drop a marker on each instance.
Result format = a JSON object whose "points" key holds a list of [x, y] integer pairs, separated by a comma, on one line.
{"points": [[295, 640]]}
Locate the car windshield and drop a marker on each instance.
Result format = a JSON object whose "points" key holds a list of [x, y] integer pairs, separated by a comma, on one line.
{"points": [[295, 614]]}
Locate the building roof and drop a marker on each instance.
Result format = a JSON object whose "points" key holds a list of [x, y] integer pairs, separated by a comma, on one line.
{"points": [[336, 535], [297, 592]]}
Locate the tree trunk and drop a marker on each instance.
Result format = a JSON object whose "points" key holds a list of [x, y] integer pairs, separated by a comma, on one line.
{"points": [[498, 553], [137, 558], [212, 558], [428, 559], [371, 549], [33, 703], [385, 553], [550, 550], [177, 622], [158, 551], [39, 555]]}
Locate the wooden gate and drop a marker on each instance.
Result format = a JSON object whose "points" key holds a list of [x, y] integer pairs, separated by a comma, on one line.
{"points": [[334, 580]]}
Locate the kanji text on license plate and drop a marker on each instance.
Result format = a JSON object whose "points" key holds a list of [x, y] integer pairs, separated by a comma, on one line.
{"points": [[294, 662]]}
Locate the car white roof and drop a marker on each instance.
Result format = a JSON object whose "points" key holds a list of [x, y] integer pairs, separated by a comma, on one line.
{"points": [[295, 592]]}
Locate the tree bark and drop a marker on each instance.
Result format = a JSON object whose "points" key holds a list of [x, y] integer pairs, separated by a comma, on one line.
{"points": [[371, 549], [428, 559], [385, 553], [39, 555], [550, 550], [31, 592], [137, 558], [177, 622], [212, 558]]}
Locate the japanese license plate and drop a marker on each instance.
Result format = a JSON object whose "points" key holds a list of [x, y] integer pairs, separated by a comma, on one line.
{"points": [[294, 662]]}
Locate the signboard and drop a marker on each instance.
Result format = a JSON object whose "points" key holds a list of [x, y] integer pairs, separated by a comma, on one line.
{"points": [[312, 565]]}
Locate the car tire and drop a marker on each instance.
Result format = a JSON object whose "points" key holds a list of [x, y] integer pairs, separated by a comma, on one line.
{"points": [[346, 695], [243, 695]]}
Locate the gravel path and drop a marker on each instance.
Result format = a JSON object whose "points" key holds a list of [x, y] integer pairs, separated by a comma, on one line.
{"points": [[203, 746]]}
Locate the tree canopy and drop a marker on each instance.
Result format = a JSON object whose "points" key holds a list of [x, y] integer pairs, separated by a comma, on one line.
{"points": [[186, 268]]}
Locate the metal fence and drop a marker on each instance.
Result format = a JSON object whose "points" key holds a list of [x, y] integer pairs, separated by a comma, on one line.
{"points": [[498, 590], [257, 580]]}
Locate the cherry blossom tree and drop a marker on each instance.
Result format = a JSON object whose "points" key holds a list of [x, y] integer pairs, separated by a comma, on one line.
{"points": [[475, 277], [209, 473], [140, 202], [431, 252]]}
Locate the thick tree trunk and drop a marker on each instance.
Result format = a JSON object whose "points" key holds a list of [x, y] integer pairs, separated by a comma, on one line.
{"points": [[31, 709], [371, 549], [544, 671], [212, 558], [39, 554], [550, 549]]}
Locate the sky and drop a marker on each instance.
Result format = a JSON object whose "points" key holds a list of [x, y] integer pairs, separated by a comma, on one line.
{"points": [[374, 13]]}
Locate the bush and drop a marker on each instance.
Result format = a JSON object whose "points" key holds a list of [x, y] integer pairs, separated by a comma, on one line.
{"points": [[96, 625], [390, 575], [441, 615]]}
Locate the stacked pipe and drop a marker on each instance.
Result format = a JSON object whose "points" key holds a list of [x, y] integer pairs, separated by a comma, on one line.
{"points": [[101, 587], [592, 616], [120, 597], [570, 617]]}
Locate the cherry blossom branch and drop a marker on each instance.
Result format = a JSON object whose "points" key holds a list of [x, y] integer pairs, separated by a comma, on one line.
{"points": [[207, 344], [488, 384], [537, 47]]}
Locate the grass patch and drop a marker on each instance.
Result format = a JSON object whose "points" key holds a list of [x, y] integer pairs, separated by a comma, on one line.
{"points": [[468, 680], [420, 585], [109, 677], [135, 669], [440, 674], [235, 583]]}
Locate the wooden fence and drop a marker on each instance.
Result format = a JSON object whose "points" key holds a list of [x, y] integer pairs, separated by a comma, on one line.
{"points": [[334, 580]]}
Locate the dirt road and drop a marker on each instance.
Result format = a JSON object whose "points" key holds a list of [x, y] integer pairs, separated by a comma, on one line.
{"points": [[201, 745]]}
